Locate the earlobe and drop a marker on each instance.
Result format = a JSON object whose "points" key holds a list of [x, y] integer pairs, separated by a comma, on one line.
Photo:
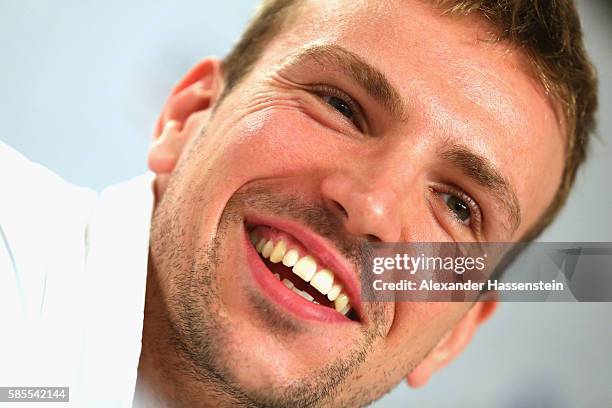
{"points": [[451, 344]]}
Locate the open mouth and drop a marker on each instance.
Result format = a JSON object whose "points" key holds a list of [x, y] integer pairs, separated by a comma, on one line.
{"points": [[300, 270]]}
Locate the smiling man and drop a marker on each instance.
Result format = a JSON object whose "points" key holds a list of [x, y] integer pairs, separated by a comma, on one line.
{"points": [[329, 125]]}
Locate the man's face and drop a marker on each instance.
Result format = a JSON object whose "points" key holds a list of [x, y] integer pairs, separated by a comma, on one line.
{"points": [[360, 122]]}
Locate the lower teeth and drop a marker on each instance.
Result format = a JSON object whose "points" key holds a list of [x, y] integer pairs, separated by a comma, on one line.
{"points": [[303, 294], [291, 286]]}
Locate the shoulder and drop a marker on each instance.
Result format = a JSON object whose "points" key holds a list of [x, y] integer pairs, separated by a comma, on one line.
{"points": [[43, 224], [30, 186]]}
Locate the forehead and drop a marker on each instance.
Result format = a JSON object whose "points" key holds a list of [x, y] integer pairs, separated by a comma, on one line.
{"points": [[454, 81]]}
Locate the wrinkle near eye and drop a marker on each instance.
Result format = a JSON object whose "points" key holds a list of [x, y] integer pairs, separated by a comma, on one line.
{"points": [[271, 99]]}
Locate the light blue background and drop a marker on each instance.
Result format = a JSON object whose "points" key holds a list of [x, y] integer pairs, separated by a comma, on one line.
{"points": [[82, 82]]}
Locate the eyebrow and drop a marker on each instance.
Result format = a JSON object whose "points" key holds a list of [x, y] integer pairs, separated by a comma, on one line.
{"points": [[368, 77], [483, 172]]}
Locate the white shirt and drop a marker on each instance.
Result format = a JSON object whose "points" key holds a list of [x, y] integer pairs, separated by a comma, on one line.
{"points": [[73, 269]]}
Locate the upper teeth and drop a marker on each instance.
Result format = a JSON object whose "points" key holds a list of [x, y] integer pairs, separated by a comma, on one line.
{"points": [[306, 268]]}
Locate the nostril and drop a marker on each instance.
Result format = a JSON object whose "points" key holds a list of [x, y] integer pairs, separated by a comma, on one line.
{"points": [[372, 238], [340, 208], [344, 213]]}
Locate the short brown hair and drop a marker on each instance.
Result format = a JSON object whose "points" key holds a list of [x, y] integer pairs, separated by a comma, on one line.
{"points": [[547, 31]]}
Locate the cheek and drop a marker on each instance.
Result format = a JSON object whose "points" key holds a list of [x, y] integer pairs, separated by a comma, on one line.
{"points": [[276, 143]]}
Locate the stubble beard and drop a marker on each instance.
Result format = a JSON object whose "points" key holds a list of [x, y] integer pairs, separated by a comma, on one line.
{"points": [[198, 334]]}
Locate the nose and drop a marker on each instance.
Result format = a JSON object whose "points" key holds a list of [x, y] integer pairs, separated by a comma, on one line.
{"points": [[368, 208]]}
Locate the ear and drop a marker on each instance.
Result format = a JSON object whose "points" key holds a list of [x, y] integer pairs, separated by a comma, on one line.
{"points": [[191, 99], [452, 343]]}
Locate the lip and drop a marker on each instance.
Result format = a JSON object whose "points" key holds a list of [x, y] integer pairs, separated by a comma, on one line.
{"points": [[315, 245]]}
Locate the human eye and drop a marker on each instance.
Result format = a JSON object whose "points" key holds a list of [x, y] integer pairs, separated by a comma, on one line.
{"points": [[462, 208], [342, 104], [458, 207]]}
